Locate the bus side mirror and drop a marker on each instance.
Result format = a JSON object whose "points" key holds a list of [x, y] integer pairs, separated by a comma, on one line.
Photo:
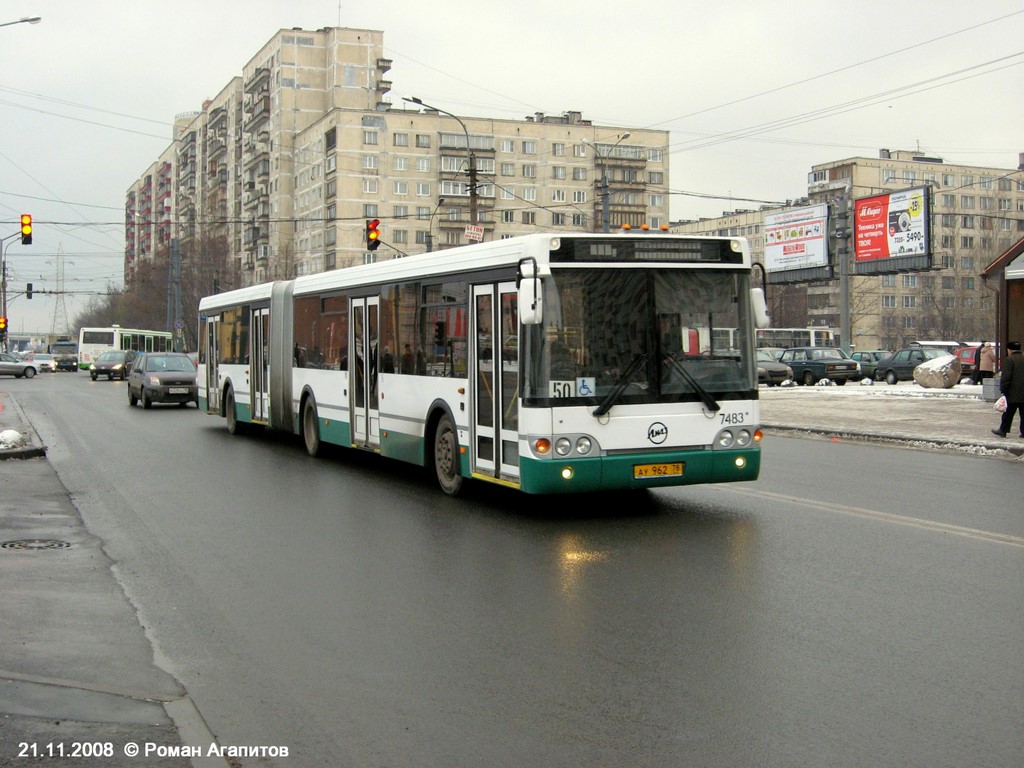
{"points": [[760, 308], [531, 292]]}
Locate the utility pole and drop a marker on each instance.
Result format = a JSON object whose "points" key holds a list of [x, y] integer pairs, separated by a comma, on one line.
{"points": [[605, 215]]}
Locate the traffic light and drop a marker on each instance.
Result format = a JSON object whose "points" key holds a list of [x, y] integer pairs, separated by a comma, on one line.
{"points": [[26, 229], [28, 290], [3, 328], [372, 234]]}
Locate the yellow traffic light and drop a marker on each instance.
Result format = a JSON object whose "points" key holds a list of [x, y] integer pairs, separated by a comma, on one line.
{"points": [[26, 229]]}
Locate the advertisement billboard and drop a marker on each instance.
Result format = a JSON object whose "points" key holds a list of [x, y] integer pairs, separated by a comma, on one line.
{"points": [[891, 232], [796, 239]]}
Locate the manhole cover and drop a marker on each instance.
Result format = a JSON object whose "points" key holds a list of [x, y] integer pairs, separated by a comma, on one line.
{"points": [[35, 544]]}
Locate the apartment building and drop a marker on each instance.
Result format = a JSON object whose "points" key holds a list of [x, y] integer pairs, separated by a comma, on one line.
{"points": [[977, 213], [277, 175]]}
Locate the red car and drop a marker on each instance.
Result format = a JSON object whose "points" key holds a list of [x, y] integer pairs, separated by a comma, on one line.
{"points": [[966, 356]]}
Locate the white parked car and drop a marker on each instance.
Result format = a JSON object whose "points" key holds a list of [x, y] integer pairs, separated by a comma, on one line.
{"points": [[43, 361]]}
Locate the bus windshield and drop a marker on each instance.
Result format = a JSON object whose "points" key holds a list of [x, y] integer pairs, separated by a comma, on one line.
{"points": [[640, 336]]}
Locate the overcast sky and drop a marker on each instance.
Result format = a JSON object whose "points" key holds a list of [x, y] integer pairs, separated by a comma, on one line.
{"points": [[754, 93]]}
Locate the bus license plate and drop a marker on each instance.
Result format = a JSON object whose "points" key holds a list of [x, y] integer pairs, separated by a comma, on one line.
{"points": [[178, 390], [657, 470]]}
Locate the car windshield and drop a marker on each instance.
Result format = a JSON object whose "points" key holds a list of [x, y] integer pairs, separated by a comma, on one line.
{"points": [[112, 357], [764, 356], [168, 363]]}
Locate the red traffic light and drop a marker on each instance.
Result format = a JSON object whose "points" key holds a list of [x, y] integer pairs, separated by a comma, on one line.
{"points": [[26, 229]]}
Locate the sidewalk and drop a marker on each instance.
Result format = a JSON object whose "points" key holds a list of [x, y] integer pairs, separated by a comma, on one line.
{"points": [[76, 665]]}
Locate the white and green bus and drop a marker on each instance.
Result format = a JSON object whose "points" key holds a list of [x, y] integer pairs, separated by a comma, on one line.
{"points": [[550, 363], [93, 342]]}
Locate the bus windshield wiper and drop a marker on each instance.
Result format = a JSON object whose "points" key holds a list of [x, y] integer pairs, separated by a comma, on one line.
{"points": [[709, 402], [620, 385]]}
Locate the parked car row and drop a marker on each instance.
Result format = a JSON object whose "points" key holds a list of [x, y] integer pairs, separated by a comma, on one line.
{"points": [[809, 365]]}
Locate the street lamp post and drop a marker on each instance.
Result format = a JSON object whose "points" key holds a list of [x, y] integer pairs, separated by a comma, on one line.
{"points": [[469, 153], [605, 223]]}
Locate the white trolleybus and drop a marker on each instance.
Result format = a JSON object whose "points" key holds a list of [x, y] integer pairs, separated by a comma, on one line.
{"points": [[550, 363], [93, 342]]}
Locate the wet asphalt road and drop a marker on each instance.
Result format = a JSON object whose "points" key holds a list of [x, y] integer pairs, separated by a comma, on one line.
{"points": [[858, 606]]}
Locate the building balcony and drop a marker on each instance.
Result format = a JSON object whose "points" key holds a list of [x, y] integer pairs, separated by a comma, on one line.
{"points": [[260, 80]]}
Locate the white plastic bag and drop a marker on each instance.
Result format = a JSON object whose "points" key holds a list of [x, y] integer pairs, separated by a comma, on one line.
{"points": [[1000, 404]]}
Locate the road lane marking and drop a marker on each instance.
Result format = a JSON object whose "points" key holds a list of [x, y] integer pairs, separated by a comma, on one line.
{"points": [[886, 517]]}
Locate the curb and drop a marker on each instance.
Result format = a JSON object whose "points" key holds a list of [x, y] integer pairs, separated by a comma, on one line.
{"points": [[874, 437], [35, 446]]}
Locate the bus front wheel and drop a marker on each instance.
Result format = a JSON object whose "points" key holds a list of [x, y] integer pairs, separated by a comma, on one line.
{"points": [[446, 456]]}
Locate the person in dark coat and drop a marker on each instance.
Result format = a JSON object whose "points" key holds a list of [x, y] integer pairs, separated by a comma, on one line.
{"points": [[1011, 385]]}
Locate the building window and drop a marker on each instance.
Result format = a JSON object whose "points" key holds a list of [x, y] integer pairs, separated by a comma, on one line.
{"points": [[370, 186], [507, 145], [909, 302], [948, 302], [422, 211], [967, 201], [966, 181], [909, 321], [423, 165], [888, 175], [508, 217], [423, 189], [558, 219], [400, 211], [558, 172], [579, 220], [423, 141], [400, 236], [910, 281], [948, 201], [401, 139], [967, 283], [369, 162], [655, 177], [529, 217], [966, 242], [655, 155], [967, 262], [579, 196], [888, 301], [529, 171], [558, 150], [401, 188], [967, 222], [888, 281], [529, 147], [657, 201], [400, 164], [508, 169], [370, 210], [558, 196], [579, 150], [369, 137], [948, 180], [579, 174], [530, 194]]}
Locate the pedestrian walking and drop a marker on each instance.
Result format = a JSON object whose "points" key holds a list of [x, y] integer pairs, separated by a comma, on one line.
{"points": [[976, 373], [1011, 385], [986, 361]]}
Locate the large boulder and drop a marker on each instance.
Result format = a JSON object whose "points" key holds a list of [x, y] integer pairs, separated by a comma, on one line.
{"points": [[941, 373]]}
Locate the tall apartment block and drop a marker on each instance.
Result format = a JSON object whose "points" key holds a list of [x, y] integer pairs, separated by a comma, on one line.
{"points": [[977, 214], [279, 172]]}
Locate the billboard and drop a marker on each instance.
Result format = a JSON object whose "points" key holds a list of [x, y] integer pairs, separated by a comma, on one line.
{"points": [[891, 232], [796, 239]]}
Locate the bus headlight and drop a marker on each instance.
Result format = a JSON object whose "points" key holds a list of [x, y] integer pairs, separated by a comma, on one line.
{"points": [[743, 438], [563, 446], [584, 446], [725, 439]]}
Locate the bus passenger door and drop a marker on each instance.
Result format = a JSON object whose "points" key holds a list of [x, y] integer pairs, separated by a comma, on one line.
{"points": [[212, 374], [494, 383], [259, 363], [363, 383]]}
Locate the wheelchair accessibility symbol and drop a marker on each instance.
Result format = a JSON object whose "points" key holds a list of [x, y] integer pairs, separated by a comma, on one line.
{"points": [[586, 386]]}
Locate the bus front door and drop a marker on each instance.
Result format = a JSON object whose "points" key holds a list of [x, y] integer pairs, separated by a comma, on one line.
{"points": [[494, 383], [259, 364], [212, 374], [363, 384]]}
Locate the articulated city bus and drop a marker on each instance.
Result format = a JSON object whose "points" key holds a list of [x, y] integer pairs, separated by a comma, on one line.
{"points": [[550, 363]]}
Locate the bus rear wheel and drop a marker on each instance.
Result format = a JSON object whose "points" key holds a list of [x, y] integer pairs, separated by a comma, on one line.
{"points": [[446, 456], [235, 427], [310, 427]]}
